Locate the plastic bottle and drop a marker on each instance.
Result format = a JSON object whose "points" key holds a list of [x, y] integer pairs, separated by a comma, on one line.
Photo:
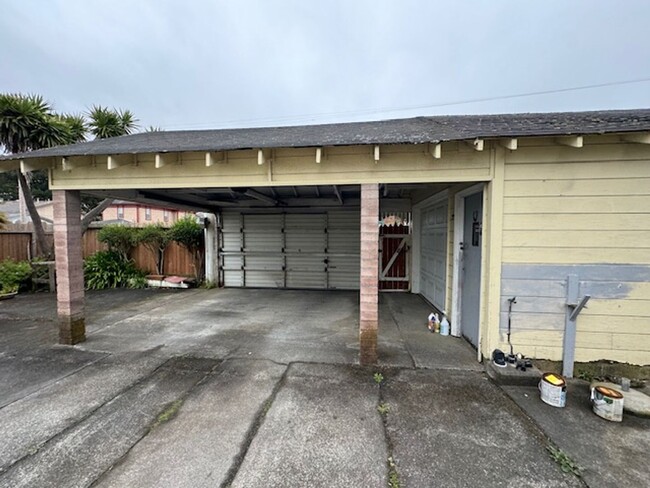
{"points": [[444, 325]]}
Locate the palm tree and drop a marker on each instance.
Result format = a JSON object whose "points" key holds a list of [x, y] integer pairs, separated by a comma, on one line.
{"points": [[105, 122], [28, 123]]}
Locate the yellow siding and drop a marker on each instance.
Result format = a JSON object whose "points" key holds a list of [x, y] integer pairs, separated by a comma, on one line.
{"points": [[566, 206]]}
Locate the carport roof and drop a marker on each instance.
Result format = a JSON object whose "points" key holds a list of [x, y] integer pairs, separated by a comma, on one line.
{"points": [[415, 130]]}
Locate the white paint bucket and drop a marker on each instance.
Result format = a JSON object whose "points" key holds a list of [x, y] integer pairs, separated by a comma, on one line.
{"points": [[552, 389], [607, 403]]}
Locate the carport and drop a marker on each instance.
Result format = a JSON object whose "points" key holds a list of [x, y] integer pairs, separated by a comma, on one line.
{"points": [[365, 206]]}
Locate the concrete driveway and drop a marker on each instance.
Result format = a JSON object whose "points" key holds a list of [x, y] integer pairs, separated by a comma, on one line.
{"points": [[249, 388]]}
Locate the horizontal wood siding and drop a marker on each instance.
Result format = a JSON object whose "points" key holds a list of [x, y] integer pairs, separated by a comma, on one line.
{"points": [[585, 212]]}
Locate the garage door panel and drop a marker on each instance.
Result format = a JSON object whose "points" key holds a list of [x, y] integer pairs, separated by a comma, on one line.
{"points": [[264, 279], [311, 250], [433, 253], [306, 279], [305, 241]]}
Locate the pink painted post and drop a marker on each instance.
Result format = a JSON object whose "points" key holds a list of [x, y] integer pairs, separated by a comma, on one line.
{"points": [[69, 266], [369, 286]]}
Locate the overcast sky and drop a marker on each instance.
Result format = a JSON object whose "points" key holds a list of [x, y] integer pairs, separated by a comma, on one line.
{"points": [[210, 64]]}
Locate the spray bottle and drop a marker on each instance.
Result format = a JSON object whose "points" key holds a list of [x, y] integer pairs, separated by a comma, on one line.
{"points": [[444, 324]]}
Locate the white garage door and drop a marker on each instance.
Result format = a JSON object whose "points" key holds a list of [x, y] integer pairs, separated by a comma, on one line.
{"points": [[291, 250], [433, 258]]}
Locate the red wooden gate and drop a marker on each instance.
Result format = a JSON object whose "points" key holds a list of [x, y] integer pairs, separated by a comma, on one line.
{"points": [[394, 271]]}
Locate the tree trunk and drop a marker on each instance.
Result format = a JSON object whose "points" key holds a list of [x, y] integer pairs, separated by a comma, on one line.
{"points": [[42, 247], [90, 216]]}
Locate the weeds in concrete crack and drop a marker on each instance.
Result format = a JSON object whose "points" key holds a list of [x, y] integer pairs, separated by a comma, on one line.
{"points": [[383, 408], [567, 465], [168, 413], [253, 429], [393, 475]]}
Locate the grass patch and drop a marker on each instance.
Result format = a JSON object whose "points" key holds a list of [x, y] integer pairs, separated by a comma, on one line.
{"points": [[379, 378], [168, 414]]}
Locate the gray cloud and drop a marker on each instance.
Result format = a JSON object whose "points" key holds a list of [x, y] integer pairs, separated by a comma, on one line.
{"points": [[206, 64]]}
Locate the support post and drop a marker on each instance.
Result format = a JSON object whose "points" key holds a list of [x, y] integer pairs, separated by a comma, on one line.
{"points": [[369, 286], [211, 248], [569, 342], [69, 266]]}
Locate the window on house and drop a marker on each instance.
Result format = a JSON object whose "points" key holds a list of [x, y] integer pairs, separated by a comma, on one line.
{"points": [[120, 212], [147, 213], [166, 215]]}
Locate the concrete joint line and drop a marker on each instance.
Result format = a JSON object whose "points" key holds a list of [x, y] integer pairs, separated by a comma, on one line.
{"points": [[155, 422], [406, 344], [36, 449], [254, 429], [55, 381]]}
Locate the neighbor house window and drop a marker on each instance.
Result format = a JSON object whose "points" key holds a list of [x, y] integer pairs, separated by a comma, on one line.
{"points": [[166, 215], [147, 213], [120, 212]]}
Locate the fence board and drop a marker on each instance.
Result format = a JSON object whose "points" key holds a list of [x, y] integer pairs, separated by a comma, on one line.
{"points": [[178, 261]]}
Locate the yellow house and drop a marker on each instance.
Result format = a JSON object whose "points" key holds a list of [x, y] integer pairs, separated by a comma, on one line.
{"points": [[543, 213]]}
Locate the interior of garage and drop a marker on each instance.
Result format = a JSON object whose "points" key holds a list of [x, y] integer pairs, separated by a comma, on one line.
{"points": [[308, 237]]}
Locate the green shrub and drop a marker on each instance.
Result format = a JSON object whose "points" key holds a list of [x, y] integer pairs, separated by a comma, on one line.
{"points": [[119, 238], [189, 234], [109, 269], [155, 238], [13, 274]]}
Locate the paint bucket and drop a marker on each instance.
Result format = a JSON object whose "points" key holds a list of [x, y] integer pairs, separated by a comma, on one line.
{"points": [[607, 403], [552, 389]]}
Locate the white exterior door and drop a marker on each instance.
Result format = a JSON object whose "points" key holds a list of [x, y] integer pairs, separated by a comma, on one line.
{"points": [[433, 253]]}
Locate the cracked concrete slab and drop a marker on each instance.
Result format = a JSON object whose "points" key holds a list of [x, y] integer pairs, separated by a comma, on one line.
{"points": [[612, 454], [198, 448], [27, 424], [79, 455], [323, 430], [28, 371], [457, 429]]}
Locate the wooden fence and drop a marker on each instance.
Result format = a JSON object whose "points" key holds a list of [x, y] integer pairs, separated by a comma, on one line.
{"points": [[178, 261]]}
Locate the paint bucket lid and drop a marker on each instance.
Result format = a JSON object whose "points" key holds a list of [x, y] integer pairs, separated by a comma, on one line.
{"points": [[553, 379], [609, 392]]}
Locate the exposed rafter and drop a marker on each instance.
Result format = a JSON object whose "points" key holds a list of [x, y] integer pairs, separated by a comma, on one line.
{"points": [[337, 192], [435, 150], [477, 144], [571, 141], [376, 154], [319, 154], [509, 143]]}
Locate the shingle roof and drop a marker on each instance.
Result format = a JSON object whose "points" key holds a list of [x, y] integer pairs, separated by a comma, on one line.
{"points": [[398, 131]]}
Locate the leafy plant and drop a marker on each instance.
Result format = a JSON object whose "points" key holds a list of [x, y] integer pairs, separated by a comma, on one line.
{"points": [[108, 269], [379, 378], [155, 238], [393, 475], [567, 465], [383, 408], [13, 274], [120, 239], [189, 234]]}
